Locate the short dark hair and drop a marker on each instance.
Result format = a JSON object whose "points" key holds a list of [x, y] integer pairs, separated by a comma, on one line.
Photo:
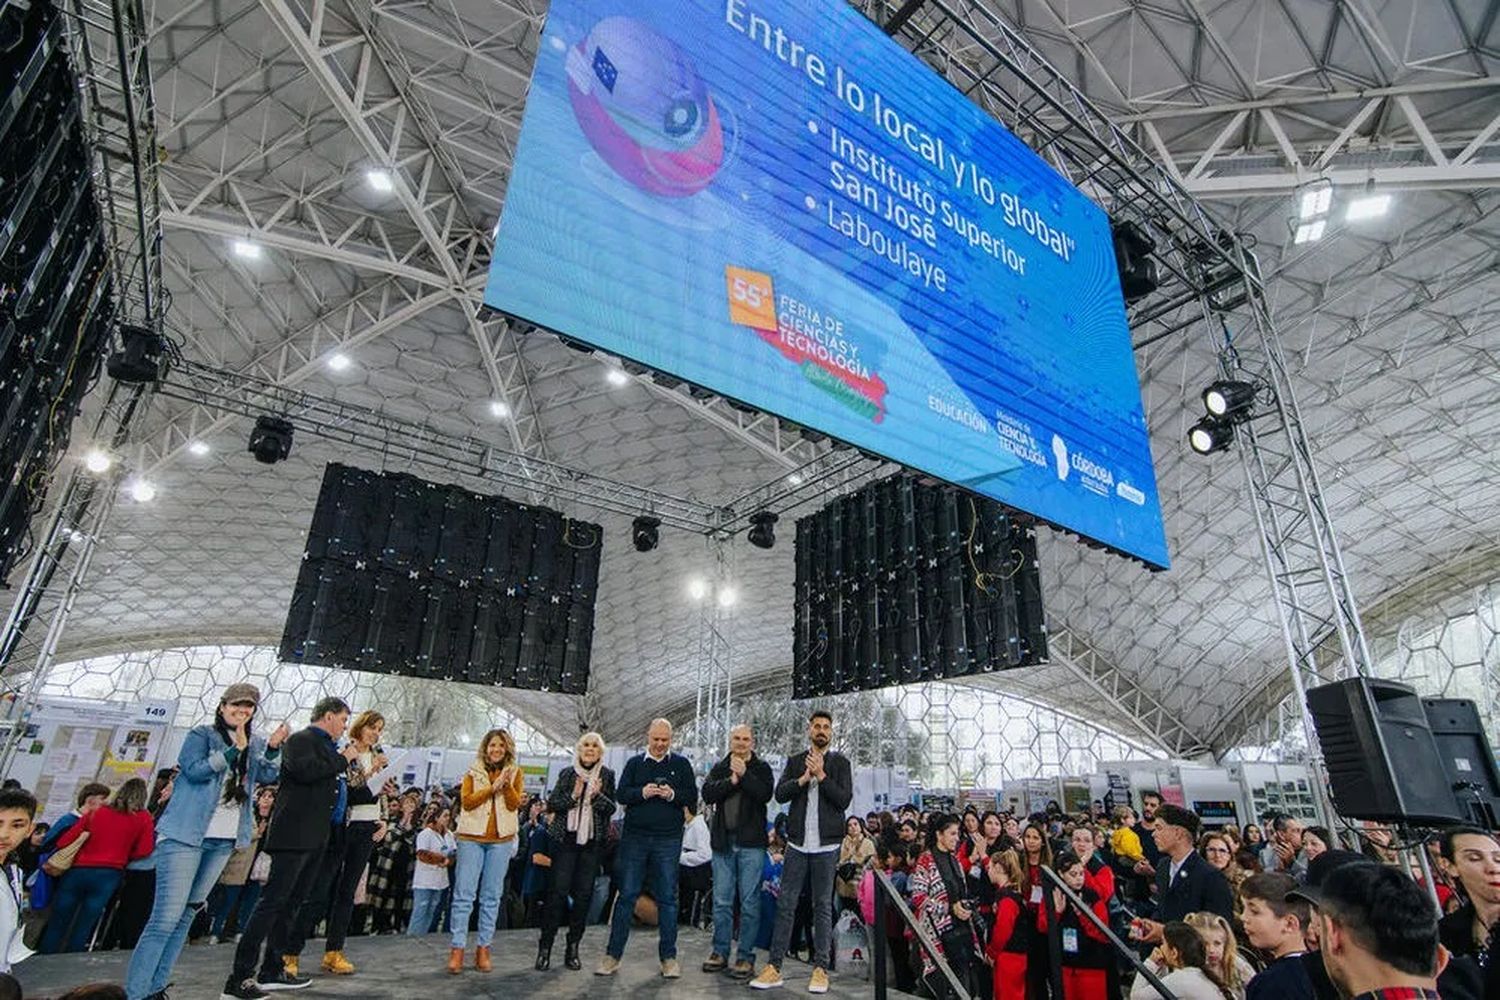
{"points": [[18, 798], [1386, 913], [1272, 889], [90, 790], [1065, 860], [1321, 832], [1178, 816], [329, 706], [1448, 844], [821, 713], [1151, 793], [1279, 821], [1187, 942]]}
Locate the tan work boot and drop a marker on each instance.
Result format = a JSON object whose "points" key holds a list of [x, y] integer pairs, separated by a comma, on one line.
{"points": [[289, 963], [482, 958], [670, 969], [455, 961], [769, 979], [819, 981], [608, 966], [336, 963]]}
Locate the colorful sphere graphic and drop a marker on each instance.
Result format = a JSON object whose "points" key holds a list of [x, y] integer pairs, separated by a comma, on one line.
{"points": [[644, 109]]}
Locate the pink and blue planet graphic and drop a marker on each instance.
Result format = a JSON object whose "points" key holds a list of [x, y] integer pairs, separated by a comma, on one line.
{"points": [[644, 108]]}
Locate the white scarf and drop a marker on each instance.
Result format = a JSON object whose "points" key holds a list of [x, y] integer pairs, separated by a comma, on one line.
{"points": [[581, 816]]}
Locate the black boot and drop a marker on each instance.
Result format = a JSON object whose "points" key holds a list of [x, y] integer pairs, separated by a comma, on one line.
{"points": [[543, 957], [570, 957]]}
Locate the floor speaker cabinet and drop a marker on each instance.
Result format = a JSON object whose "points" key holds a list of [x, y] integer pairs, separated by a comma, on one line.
{"points": [[1382, 759], [1467, 757]]}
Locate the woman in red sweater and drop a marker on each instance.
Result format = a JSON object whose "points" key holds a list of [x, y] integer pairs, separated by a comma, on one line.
{"points": [[119, 833], [1013, 928]]}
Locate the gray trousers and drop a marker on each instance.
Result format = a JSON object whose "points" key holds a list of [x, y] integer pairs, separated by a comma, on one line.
{"points": [[795, 871]]}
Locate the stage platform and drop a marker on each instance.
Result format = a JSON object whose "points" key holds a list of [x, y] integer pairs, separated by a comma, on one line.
{"points": [[405, 968]]}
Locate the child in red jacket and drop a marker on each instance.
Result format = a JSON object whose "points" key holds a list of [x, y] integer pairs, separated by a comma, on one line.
{"points": [[1086, 953], [1010, 935]]}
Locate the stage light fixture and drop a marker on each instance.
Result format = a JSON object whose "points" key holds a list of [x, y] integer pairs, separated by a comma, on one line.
{"points": [[380, 181], [338, 361], [1309, 232], [763, 529], [1229, 398], [199, 448], [617, 377], [246, 249], [98, 461], [138, 361], [697, 588], [727, 597], [1139, 275], [142, 490], [1370, 207], [1315, 199], [271, 440], [796, 479], [643, 533], [499, 409], [1211, 434]]}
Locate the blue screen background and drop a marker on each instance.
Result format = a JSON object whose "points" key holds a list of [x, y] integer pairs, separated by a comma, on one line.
{"points": [[1016, 382]]}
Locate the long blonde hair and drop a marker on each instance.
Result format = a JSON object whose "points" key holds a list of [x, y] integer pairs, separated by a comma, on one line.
{"points": [[507, 743], [578, 749], [1228, 973]]}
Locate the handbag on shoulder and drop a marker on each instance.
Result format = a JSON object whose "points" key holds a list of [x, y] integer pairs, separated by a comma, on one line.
{"points": [[62, 859]]}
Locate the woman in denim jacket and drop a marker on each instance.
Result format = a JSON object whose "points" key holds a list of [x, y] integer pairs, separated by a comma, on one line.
{"points": [[207, 817]]}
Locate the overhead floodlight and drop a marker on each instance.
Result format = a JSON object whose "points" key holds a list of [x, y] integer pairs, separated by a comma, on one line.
{"points": [[499, 409], [338, 361], [763, 529], [380, 181], [1316, 199], [1309, 232], [643, 533], [199, 448], [1370, 207], [795, 479], [1211, 434], [246, 249], [271, 440], [98, 461], [697, 588], [1229, 398], [727, 597], [142, 490], [617, 377]]}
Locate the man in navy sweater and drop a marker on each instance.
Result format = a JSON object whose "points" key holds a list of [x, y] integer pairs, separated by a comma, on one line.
{"points": [[654, 788]]}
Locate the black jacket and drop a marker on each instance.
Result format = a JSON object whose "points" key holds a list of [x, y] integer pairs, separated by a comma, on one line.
{"points": [[1199, 888], [562, 802], [306, 793], [834, 795], [754, 791]]}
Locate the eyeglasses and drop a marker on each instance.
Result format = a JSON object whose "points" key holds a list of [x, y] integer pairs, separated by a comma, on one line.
{"points": [[242, 704], [1216, 850]]}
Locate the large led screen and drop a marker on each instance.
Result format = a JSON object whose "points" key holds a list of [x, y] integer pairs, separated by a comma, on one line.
{"points": [[772, 199]]}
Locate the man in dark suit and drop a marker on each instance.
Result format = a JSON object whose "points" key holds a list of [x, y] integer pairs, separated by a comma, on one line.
{"points": [[819, 784], [310, 798], [1185, 882]]}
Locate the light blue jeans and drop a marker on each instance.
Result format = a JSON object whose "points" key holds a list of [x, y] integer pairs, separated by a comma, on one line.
{"points": [[480, 869], [184, 875], [424, 909], [737, 868]]}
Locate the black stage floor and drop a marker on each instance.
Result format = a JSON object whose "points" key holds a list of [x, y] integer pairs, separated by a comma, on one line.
{"points": [[406, 968]]}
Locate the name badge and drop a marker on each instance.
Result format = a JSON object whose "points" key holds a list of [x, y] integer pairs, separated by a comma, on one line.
{"points": [[1036, 895], [1070, 940]]}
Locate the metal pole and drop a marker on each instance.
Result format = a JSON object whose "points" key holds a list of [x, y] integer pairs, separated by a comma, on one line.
{"points": [[879, 946], [1425, 864], [1051, 876]]}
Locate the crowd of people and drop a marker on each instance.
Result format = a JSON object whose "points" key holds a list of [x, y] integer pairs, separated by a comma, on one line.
{"points": [[270, 840]]}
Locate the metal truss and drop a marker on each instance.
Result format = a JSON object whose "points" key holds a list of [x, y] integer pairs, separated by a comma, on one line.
{"points": [[712, 717]]}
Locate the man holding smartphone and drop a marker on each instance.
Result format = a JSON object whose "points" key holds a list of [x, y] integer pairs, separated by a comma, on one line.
{"points": [[654, 788]]}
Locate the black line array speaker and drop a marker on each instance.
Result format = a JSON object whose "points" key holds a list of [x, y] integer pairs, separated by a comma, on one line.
{"points": [[56, 299], [907, 581], [1467, 758], [1383, 762], [403, 576]]}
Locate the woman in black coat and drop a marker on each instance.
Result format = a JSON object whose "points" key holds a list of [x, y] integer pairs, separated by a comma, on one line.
{"points": [[582, 802]]}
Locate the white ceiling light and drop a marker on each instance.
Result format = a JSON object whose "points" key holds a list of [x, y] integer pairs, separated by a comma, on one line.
{"points": [[142, 490], [339, 361], [727, 597], [246, 249], [499, 409], [98, 460], [697, 588], [1308, 232], [380, 181], [1370, 207], [617, 377], [795, 479], [199, 448], [1316, 200]]}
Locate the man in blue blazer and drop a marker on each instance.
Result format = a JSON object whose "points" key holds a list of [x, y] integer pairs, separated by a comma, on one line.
{"points": [[1185, 881]]}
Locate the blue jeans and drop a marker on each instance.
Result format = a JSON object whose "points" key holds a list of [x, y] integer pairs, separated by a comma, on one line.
{"points": [[737, 868], [638, 855], [424, 910], [184, 876], [481, 868], [236, 899], [82, 894]]}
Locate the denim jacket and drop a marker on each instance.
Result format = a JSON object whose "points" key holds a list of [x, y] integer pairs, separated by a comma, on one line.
{"points": [[200, 786]]}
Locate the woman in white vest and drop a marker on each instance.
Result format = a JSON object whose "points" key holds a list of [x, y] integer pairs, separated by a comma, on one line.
{"points": [[487, 828]]}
